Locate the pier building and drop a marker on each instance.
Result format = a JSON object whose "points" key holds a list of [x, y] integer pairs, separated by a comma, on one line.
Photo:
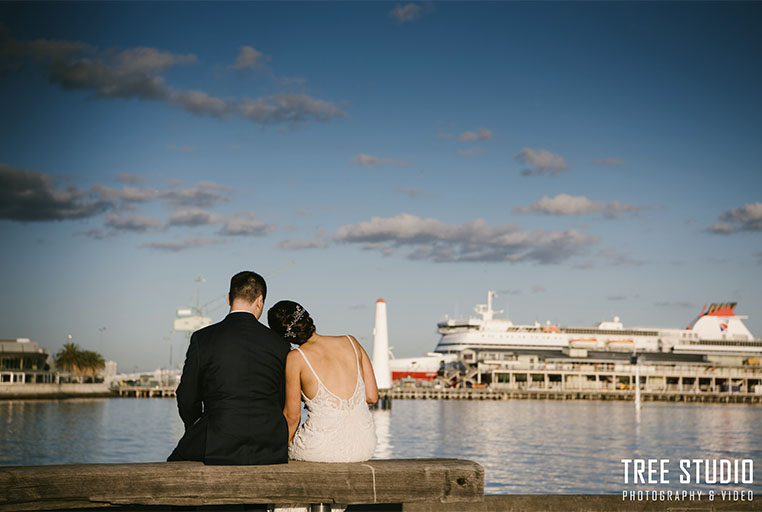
{"points": [[22, 361]]}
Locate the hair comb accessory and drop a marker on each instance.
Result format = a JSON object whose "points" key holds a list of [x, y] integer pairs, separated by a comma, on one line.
{"points": [[298, 313]]}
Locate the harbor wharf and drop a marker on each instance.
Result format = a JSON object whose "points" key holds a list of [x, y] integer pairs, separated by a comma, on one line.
{"points": [[53, 391], [146, 391], [593, 381], [557, 394], [378, 484]]}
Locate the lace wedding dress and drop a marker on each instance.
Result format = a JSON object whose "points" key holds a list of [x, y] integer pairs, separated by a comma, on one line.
{"points": [[336, 429]]}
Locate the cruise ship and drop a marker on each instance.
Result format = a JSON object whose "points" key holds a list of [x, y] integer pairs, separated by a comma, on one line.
{"points": [[717, 331]]}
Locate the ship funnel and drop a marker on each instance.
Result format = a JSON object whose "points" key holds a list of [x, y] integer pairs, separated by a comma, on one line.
{"points": [[381, 348]]}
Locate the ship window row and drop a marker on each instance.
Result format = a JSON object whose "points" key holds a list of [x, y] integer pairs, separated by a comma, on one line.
{"points": [[729, 342], [617, 332]]}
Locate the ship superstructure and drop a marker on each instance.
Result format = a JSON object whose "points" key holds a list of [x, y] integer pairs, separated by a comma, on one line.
{"points": [[717, 330]]}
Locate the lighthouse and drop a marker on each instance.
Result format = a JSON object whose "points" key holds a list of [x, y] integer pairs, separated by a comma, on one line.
{"points": [[381, 348]]}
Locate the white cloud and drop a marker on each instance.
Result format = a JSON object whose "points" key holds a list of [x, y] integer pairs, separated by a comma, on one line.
{"points": [[198, 102], [181, 245], [374, 161], [193, 217], [540, 161], [29, 196], [204, 195], [139, 223], [746, 218], [565, 204], [148, 60], [248, 58], [138, 194], [137, 73], [97, 233], [244, 224], [722, 228], [291, 108], [297, 245], [478, 135], [434, 240]]}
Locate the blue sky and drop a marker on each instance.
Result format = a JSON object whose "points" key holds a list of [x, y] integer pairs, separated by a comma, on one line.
{"points": [[583, 159]]}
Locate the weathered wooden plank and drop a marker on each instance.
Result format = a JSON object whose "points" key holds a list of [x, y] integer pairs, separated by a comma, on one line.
{"points": [[192, 484], [584, 503]]}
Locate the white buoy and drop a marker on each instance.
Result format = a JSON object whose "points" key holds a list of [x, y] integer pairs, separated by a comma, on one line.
{"points": [[381, 348]]}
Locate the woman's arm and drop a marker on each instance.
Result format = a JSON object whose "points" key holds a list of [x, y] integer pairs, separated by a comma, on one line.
{"points": [[371, 388], [293, 409]]}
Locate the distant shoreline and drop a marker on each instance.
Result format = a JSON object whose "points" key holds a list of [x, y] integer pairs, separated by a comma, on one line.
{"points": [[47, 391]]}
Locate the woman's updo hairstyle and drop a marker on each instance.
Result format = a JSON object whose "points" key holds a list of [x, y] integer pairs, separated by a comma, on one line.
{"points": [[291, 321]]}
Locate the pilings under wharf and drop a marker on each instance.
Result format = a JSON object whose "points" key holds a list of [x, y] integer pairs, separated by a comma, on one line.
{"points": [[147, 391], [553, 394], [594, 381]]}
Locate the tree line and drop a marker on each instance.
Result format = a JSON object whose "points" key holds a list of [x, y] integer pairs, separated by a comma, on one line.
{"points": [[83, 363]]}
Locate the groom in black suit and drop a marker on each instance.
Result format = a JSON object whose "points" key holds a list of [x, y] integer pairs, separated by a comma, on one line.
{"points": [[232, 390]]}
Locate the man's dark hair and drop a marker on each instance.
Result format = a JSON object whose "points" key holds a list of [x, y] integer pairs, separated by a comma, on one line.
{"points": [[247, 286]]}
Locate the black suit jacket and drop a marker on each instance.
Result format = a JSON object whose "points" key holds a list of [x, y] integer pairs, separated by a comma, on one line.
{"points": [[231, 394]]}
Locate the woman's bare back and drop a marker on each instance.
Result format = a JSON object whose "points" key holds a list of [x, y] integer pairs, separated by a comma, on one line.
{"points": [[333, 359]]}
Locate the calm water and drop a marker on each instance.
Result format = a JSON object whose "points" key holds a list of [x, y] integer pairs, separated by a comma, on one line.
{"points": [[525, 446]]}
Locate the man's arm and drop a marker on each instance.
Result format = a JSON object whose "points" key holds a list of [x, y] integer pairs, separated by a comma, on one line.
{"points": [[188, 394]]}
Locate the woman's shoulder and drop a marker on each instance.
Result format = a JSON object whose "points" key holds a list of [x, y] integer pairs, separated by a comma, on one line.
{"points": [[322, 340]]}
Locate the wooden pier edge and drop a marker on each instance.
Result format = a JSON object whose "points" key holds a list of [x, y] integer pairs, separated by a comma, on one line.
{"points": [[82, 486]]}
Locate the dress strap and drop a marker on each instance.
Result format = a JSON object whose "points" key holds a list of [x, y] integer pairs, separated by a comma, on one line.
{"points": [[357, 356], [310, 366]]}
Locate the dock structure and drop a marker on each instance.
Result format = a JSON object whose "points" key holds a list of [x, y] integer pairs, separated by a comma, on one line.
{"points": [[387, 484], [594, 381], [146, 391], [551, 394]]}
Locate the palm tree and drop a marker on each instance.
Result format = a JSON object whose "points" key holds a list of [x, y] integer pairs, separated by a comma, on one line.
{"points": [[68, 359], [83, 363], [91, 362]]}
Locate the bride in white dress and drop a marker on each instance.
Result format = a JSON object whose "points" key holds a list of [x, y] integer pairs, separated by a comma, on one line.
{"points": [[334, 377]]}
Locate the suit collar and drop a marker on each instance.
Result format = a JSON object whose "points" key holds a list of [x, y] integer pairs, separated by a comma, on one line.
{"points": [[241, 311]]}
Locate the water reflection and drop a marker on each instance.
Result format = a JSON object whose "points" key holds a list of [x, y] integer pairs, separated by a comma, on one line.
{"points": [[525, 446], [570, 447], [88, 431], [383, 420]]}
